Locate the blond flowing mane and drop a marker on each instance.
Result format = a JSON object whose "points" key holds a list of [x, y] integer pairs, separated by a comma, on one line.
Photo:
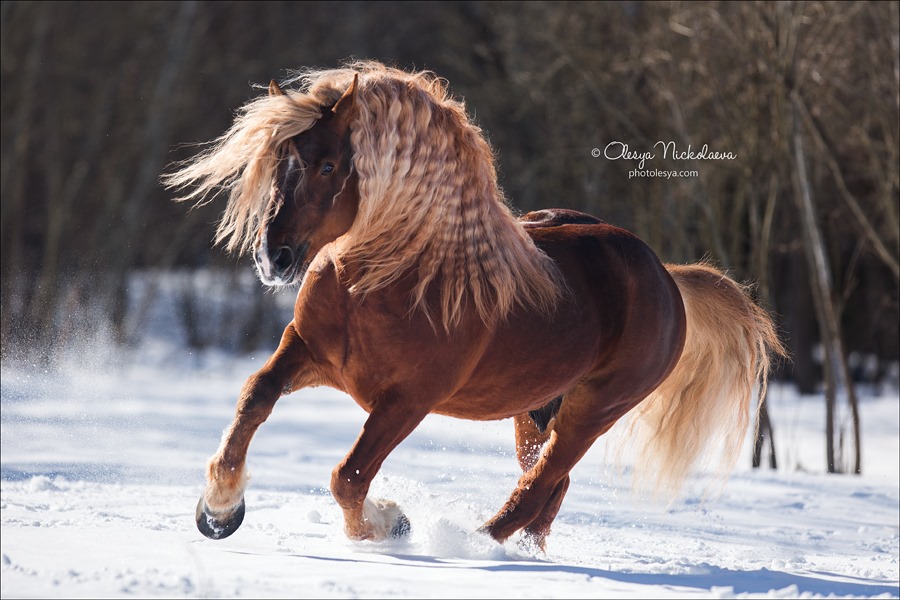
{"points": [[429, 204]]}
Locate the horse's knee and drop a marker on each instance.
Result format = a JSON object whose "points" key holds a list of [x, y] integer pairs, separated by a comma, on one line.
{"points": [[258, 397]]}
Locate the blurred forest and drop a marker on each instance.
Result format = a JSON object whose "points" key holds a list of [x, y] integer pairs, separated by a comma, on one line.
{"points": [[98, 98]]}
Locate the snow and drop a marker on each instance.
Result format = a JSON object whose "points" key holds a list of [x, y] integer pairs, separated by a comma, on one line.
{"points": [[103, 460]]}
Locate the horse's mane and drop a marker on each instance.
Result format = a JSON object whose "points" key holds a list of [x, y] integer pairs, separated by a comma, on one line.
{"points": [[430, 205]]}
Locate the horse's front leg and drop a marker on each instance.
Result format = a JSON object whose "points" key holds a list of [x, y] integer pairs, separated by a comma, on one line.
{"points": [[389, 422], [221, 508]]}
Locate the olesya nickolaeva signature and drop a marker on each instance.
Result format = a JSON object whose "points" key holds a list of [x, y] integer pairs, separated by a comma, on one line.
{"points": [[619, 150]]}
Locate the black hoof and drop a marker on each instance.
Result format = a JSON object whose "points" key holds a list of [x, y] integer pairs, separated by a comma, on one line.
{"points": [[218, 527], [401, 528]]}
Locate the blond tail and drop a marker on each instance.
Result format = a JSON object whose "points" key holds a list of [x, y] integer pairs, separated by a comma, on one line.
{"points": [[698, 416]]}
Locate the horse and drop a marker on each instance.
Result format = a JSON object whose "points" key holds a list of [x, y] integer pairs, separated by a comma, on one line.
{"points": [[421, 292]]}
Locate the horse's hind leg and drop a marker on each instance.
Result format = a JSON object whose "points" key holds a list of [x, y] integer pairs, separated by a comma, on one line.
{"points": [[221, 508], [544, 482], [539, 494]]}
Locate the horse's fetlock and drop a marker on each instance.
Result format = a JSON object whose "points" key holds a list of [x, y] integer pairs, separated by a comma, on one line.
{"points": [[226, 482], [347, 487]]}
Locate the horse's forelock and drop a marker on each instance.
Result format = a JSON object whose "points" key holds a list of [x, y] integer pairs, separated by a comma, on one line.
{"points": [[244, 161]]}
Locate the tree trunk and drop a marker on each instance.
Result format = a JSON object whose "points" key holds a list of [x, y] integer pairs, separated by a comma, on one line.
{"points": [[763, 433], [835, 363]]}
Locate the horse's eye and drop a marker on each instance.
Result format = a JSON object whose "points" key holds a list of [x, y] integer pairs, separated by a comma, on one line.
{"points": [[327, 168]]}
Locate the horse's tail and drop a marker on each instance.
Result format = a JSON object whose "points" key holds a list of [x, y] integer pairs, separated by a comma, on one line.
{"points": [[700, 414]]}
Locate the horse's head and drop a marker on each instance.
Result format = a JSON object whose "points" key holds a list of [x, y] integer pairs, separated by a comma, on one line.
{"points": [[392, 169], [314, 197]]}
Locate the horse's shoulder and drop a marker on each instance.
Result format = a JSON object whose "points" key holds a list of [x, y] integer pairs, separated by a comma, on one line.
{"points": [[321, 285]]}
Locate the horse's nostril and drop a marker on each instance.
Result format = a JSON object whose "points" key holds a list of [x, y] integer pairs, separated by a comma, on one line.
{"points": [[283, 259]]}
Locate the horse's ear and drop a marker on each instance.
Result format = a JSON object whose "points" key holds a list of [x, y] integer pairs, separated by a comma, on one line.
{"points": [[348, 100], [275, 89]]}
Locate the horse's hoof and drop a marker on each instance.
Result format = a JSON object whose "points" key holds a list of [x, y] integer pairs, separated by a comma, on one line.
{"points": [[217, 527], [401, 527]]}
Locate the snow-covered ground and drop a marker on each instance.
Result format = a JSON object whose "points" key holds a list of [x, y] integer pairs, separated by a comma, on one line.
{"points": [[102, 466]]}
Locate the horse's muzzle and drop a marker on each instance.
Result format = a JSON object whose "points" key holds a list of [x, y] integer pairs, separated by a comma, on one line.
{"points": [[280, 265]]}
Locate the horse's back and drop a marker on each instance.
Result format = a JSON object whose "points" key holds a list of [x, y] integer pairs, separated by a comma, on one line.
{"points": [[554, 217], [584, 246]]}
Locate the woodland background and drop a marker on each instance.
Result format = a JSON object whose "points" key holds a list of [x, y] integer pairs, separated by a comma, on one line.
{"points": [[98, 98]]}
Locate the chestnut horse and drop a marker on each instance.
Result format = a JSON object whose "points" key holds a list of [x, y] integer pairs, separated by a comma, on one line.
{"points": [[420, 292]]}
